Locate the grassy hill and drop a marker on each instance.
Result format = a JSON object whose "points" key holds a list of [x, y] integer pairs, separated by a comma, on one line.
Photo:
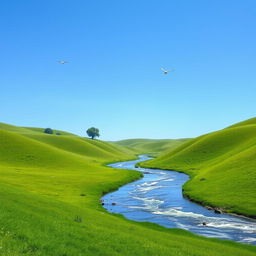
{"points": [[251, 121], [150, 145], [92, 150], [50, 189], [222, 166]]}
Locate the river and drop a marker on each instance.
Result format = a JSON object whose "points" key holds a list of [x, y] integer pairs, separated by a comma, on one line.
{"points": [[157, 198]]}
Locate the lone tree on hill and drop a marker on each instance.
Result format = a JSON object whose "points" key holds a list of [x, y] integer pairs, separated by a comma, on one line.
{"points": [[48, 130], [93, 132]]}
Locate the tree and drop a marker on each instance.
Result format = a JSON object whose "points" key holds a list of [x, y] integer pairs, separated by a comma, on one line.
{"points": [[48, 130], [93, 132]]}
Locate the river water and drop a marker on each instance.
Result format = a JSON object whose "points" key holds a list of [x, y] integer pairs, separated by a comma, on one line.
{"points": [[157, 198]]}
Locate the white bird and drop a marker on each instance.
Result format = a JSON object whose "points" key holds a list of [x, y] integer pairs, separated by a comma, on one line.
{"points": [[62, 61], [167, 71]]}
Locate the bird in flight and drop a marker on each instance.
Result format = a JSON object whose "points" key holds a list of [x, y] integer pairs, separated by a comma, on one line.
{"points": [[62, 61], [166, 71]]}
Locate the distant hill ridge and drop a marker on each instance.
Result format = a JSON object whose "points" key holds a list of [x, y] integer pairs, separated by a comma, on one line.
{"points": [[150, 145], [251, 121]]}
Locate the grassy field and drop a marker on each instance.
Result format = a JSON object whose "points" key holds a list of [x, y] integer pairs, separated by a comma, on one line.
{"points": [[50, 189], [142, 146], [222, 166]]}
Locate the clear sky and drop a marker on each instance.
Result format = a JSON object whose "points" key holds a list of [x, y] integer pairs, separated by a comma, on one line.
{"points": [[115, 51]]}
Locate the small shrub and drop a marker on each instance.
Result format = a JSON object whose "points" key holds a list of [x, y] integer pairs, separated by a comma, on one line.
{"points": [[48, 131]]}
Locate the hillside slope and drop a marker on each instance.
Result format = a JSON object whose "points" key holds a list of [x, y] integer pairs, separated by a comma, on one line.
{"points": [[90, 149], [150, 145], [50, 189], [251, 121], [222, 165]]}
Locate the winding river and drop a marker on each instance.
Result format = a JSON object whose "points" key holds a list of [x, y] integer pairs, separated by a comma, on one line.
{"points": [[157, 198]]}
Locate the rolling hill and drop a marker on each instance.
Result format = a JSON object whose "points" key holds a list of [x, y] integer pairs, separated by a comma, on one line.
{"points": [[50, 189], [222, 166], [150, 145]]}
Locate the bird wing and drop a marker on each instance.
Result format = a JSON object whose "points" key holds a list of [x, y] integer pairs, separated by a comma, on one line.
{"points": [[163, 69], [62, 61], [170, 70]]}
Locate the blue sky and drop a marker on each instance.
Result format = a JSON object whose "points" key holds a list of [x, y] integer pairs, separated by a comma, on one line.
{"points": [[115, 51]]}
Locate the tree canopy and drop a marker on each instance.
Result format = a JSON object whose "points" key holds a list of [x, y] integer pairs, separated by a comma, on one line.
{"points": [[93, 132]]}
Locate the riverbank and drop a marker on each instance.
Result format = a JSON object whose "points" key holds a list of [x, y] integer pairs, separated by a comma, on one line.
{"points": [[194, 197], [157, 198], [222, 167]]}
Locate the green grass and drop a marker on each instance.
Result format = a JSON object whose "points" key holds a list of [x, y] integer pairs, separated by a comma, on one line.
{"points": [[150, 145], [50, 189], [246, 122], [222, 166]]}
